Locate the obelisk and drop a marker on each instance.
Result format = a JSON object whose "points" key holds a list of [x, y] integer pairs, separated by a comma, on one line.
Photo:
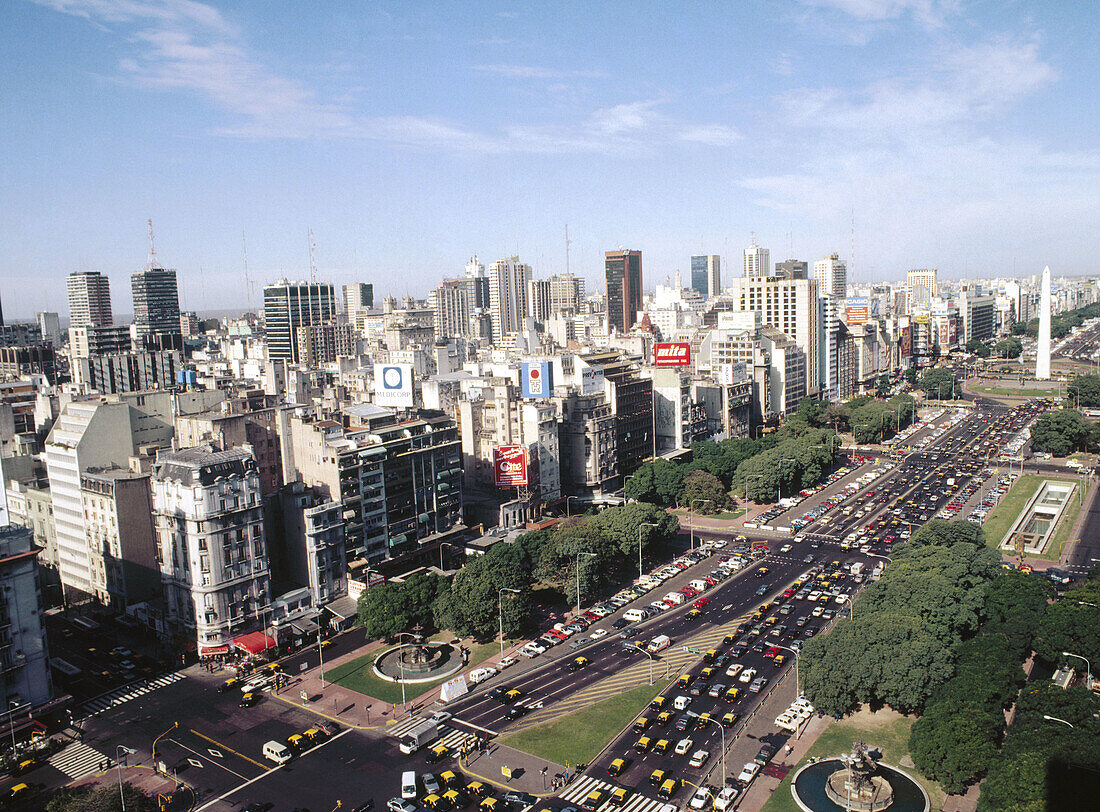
{"points": [[1042, 350]]}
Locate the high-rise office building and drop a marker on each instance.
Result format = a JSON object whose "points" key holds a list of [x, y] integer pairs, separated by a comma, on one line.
{"points": [[50, 325], [706, 275], [548, 297], [89, 299], [920, 289], [832, 276], [791, 269], [290, 305], [623, 271], [358, 297], [758, 261], [508, 291], [156, 303]]}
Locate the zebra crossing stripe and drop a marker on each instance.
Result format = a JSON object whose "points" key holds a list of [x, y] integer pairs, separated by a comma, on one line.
{"points": [[636, 803], [126, 693], [77, 760]]}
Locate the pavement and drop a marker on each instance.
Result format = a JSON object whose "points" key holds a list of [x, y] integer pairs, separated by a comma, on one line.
{"points": [[143, 778]]}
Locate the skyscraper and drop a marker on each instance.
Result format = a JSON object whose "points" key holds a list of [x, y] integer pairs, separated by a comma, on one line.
{"points": [[623, 270], [706, 275], [920, 289], [89, 300], [791, 269], [758, 261], [156, 303], [290, 305], [508, 290], [358, 296], [832, 276]]}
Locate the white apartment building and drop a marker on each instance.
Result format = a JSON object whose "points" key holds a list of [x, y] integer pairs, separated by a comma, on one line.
{"points": [[832, 276], [88, 434], [508, 290], [211, 549], [758, 261], [920, 289]]}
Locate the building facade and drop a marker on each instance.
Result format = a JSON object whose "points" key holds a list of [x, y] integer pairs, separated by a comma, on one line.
{"points": [[89, 299], [24, 655], [623, 273], [156, 303], [290, 305]]}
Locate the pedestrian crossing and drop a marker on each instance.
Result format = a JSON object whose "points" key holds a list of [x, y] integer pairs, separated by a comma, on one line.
{"points": [[78, 760], [448, 735], [636, 802], [124, 694]]}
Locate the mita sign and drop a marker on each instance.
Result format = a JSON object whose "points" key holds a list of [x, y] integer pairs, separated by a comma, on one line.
{"points": [[672, 354]]}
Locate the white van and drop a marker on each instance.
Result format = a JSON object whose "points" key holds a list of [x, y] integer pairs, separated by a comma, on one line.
{"points": [[277, 752], [634, 615], [700, 585], [481, 674], [675, 597], [408, 785]]}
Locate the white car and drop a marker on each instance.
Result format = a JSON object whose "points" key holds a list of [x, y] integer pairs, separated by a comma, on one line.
{"points": [[786, 548], [505, 663], [482, 674], [598, 633], [725, 799], [748, 675], [842, 598], [748, 772], [701, 799], [683, 746], [699, 758], [257, 683]]}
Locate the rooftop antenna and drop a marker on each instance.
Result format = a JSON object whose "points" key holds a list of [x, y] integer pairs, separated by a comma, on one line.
{"points": [[312, 262], [152, 247], [247, 283], [853, 243], [752, 239], [567, 248]]}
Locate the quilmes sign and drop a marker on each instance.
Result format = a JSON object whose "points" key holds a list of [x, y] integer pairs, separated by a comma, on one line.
{"points": [[672, 354], [510, 465]]}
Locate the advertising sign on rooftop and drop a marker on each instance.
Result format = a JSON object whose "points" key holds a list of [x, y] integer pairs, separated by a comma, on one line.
{"points": [[510, 465], [672, 354]]}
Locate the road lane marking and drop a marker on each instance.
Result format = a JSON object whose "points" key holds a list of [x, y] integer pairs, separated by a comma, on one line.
{"points": [[197, 753], [230, 749]]}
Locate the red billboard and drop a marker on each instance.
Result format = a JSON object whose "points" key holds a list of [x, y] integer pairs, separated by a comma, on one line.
{"points": [[510, 465], [672, 354]]}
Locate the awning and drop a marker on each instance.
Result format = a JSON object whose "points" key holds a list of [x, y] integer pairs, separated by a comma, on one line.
{"points": [[206, 651], [343, 608], [254, 642]]}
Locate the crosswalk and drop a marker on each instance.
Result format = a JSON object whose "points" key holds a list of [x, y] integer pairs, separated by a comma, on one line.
{"points": [[637, 802], [125, 694], [448, 735], [78, 760]]}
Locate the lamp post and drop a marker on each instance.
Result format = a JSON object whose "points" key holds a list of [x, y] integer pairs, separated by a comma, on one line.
{"points": [[500, 612], [567, 513], [1056, 719], [642, 649], [321, 659], [12, 708], [748, 479], [401, 664], [593, 555], [443, 544], [691, 525], [643, 524], [1088, 668], [716, 722], [158, 738], [118, 771]]}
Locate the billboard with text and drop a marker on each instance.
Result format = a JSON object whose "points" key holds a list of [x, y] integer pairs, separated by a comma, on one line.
{"points": [[672, 354], [510, 465]]}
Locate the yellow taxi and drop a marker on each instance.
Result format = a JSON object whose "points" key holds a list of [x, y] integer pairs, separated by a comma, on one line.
{"points": [[617, 766], [643, 744]]}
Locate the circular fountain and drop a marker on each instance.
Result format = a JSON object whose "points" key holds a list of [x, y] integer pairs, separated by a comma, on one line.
{"points": [[856, 782], [418, 661]]}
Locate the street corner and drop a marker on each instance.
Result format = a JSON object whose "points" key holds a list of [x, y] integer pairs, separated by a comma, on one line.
{"points": [[515, 771]]}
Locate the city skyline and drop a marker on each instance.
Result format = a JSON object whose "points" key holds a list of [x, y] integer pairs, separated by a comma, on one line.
{"points": [[955, 136]]}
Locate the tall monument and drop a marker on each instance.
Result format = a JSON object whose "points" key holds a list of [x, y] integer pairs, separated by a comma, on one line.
{"points": [[1042, 352]]}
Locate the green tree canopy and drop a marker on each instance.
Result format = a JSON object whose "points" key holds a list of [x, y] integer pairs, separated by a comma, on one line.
{"points": [[704, 493], [391, 608], [1084, 390], [1062, 431], [978, 348], [660, 482], [940, 383], [101, 798], [1009, 347]]}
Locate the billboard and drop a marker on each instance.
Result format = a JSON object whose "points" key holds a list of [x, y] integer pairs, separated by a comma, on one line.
{"points": [[537, 379], [906, 342], [857, 309], [510, 465], [393, 384], [672, 354], [591, 380]]}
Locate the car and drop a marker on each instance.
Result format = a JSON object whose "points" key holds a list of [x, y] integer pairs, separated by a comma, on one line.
{"points": [[516, 711], [725, 798], [620, 623], [748, 675], [758, 685], [250, 699], [498, 692], [598, 633], [519, 799], [440, 716], [701, 602], [255, 684], [702, 798], [578, 663], [699, 758], [431, 784], [748, 772], [683, 746], [716, 690], [511, 696], [505, 662], [618, 765], [400, 805], [764, 754], [230, 683]]}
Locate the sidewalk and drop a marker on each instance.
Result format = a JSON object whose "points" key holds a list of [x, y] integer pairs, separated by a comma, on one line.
{"points": [[142, 778], [529, 774]]}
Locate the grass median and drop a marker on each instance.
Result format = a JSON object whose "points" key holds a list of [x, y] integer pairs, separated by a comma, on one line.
{"points": [[358, 675], [578, 737], [1000, 520], [885, 729]]}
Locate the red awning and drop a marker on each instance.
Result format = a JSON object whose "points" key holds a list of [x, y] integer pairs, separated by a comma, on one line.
{"points": [[206, 651], [254, 642]]}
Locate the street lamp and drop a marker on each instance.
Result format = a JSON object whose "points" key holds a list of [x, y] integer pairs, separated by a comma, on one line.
{"points": [[1088, 668], [716, 722], [12, 708], [400, 664], [500, 612], [1056, 719], [320, 660], [443, 544], [158, 738], [643, 524], [748, 479], [691, 525], [593, 555], [567, 498], [795, 651], [118, 771]]}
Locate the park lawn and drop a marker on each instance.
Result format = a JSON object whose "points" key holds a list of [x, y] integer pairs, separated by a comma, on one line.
{"points": [[885, 729], [580, 736], [1016, 391], [998, 522], [1061, 533], [358, 675], [731, 514]]}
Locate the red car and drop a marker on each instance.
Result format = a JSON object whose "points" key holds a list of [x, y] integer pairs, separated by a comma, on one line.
{"points": [[788, 593], [558, 635], [771, 652], [689, 592], [590, 616], [699, 604]]}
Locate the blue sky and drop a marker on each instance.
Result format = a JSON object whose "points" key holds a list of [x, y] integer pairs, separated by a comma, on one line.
{"points": [[410, 136]]}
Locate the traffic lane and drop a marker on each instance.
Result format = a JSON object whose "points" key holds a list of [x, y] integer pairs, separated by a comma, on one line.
{"points": [[202, 763], [491, 714], [349, 768]]}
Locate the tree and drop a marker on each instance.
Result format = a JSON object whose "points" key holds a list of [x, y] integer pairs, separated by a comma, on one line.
{"points": [[1009, 347], [1061, 432], [660, 483], [387, 610], [954, 742], [940, 383], [704, 493], [1019, 328], [1071, 624], [1084, 390], [812, 411], [105, 798], [978, 348], [1016, 784], [622, 526], [882, 386], [911, 375]]}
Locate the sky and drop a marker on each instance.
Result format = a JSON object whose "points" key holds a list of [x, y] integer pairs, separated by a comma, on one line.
{"points": [[408, 137]]}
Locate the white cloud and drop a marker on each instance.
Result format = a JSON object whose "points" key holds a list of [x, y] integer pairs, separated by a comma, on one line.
{"points": [[536, 72], [928, 12]]}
